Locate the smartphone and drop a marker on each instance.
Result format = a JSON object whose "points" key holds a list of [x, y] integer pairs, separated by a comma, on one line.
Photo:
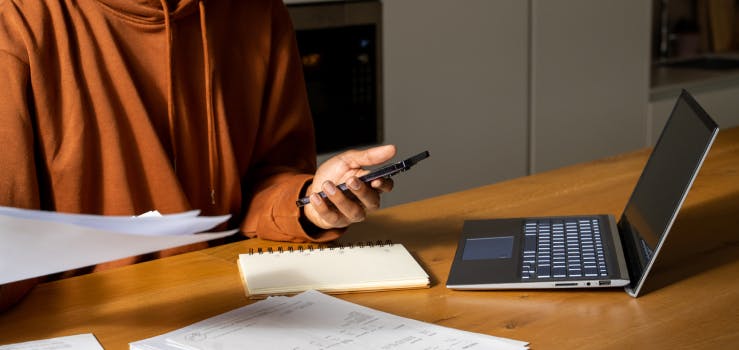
{"points": [[383, 172]]}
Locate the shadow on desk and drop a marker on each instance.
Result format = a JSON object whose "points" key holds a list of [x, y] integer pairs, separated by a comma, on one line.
{"points": [[704, 237], [433, 237], [148, 298]]}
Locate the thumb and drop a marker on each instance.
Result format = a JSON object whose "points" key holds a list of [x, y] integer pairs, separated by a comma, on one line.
{"points": [[370, 156]]}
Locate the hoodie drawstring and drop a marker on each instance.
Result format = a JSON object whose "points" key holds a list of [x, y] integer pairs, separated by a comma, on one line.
{"points": [[210, 114], [170, 100], [212, 146]]}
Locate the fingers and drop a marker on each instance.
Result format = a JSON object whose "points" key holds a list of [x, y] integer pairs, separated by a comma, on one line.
{"points": [[340, 209], [348, 204], [368, 196], [383, 185], [326, 216]]}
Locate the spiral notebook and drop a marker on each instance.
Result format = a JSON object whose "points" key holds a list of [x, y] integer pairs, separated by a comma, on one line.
{"points": [[342, 269]]}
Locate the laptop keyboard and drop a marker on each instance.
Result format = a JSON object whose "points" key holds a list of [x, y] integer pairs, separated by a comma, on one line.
{"points": [[561, 248]]}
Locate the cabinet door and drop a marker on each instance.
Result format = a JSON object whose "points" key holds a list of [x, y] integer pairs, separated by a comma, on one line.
{"points": [[589, 79], [455, 82]]}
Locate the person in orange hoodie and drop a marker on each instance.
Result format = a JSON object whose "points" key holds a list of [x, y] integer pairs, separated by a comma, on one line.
{"points": [[118, 107]]}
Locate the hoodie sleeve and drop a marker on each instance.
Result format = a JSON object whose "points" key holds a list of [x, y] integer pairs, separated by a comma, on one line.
{"points": [[285, 154], [18, 183]]}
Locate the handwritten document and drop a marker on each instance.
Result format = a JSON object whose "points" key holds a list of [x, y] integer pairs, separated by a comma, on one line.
{"points": [[315, 321], [73, 342]]}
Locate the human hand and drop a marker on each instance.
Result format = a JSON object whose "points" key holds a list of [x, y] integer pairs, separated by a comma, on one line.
{"points": [[339, 209]]}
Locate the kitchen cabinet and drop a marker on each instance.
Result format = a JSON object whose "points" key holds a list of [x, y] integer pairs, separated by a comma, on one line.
{"points": [[501, 89], [589, 80], [455, 84]]}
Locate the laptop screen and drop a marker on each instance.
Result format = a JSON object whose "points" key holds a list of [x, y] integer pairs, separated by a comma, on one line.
{"points": [[664, 184]]}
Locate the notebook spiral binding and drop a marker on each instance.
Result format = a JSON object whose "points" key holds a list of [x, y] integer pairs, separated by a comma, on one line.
{"points": [[311, 247]]}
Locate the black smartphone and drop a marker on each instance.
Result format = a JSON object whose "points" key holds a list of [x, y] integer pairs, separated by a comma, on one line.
{"points": [[383, 172]]}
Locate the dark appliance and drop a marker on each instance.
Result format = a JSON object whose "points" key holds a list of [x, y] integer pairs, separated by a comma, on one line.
{"points": [[340, 46]]}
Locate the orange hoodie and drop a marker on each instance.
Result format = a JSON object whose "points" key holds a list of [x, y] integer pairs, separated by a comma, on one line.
{"points": [[122, 106]]}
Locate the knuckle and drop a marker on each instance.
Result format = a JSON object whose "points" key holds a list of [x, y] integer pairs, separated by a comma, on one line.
{"points": [[358, 217], [331, 217], [355, 213], [373, 205]]}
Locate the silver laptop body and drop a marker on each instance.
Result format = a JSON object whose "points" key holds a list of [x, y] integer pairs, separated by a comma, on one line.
{"points": [[592, 251]]}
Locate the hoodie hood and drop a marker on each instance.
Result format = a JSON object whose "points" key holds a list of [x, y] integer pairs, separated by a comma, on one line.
{"points": [[151, 10], [166, 12]]}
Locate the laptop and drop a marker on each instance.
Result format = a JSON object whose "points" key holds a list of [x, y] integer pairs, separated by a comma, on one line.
{"points": [[592, 251]]}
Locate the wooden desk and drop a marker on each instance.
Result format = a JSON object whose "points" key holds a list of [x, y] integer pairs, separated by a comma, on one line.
{"points": [[693, 302]]}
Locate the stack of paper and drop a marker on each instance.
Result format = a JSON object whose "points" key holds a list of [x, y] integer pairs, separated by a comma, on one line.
{"points": [[313, 320], [37, 243], [149, 224], [85, 341]]}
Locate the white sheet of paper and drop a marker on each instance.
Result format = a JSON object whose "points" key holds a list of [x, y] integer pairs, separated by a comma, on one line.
{"points": [[85, 341], [184, 223], [33, 248], [315, 321]]}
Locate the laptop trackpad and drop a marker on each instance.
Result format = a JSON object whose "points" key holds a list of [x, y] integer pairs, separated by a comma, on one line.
{"points": [[489, 251], [488, 248]]}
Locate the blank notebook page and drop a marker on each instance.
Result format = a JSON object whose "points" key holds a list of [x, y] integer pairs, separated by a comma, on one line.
{"points": [[347, 269]]}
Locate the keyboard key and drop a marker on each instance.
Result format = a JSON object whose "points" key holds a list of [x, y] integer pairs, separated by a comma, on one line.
{"points": [[542, 271], [559, 272], [529, 243], [562, 248]]}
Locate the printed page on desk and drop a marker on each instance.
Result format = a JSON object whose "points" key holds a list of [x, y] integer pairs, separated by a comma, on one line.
{"points": [[85, 341], [316, 321], [331, 270]]}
